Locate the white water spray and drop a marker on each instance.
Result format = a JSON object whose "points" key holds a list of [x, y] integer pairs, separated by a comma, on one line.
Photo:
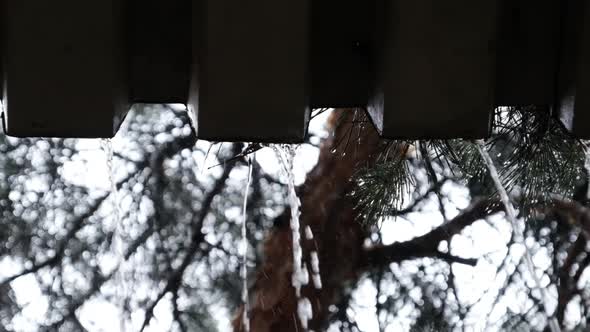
{"points": [[511, 215], [244, 249]]}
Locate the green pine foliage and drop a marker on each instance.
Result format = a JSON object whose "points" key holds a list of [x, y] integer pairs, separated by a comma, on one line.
{"points": [[380, 190], [536, 156], [460, 156]]}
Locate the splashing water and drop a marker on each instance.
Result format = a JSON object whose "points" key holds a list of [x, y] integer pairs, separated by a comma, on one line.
{"points": [[116, 228], [244, 249], [511, 215]]}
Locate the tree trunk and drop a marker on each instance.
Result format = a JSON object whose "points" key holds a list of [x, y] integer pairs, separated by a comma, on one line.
{"points": [[339, 235]]}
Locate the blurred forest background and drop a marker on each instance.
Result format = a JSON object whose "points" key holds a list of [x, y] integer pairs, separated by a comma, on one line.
{"points": [[442, 259]]}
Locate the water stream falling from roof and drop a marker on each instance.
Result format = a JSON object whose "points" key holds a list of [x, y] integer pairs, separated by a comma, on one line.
{"points": [[315, 261], [286, 154], [512, 218], [117, 230], [587, 167], [244, 252]]}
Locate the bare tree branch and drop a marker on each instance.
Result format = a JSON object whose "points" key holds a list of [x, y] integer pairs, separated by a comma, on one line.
{"points": [[427, 245], [175, 279], [176, 312], [59, 253]]}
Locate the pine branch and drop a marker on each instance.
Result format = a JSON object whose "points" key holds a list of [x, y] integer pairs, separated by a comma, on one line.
{"points": [[433, 178], [380, 189], [538, 157], [534, 153], [460, 156]]}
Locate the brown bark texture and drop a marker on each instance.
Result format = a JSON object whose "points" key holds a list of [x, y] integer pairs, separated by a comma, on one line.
{"points": [[339, 235]]}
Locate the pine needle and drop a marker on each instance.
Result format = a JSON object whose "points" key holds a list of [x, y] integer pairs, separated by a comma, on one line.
{"points": [[380, 190], [537, 156]]}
